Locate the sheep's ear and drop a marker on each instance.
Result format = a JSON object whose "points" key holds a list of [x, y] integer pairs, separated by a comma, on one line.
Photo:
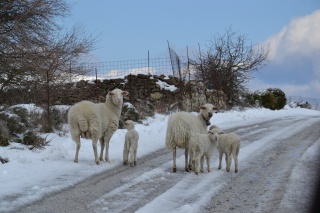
{"points": [[111, 93], [125, 93], [215, 108], [202, 107], [221, 132]]}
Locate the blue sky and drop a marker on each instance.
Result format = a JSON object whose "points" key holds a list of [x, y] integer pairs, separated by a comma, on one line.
{"points": [[129, 29]]}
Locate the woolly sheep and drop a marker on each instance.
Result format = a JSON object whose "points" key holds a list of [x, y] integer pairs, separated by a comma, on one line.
{"points": [[180, 127], [201, 145], [131, 144], [96, 121], [228, 144]]}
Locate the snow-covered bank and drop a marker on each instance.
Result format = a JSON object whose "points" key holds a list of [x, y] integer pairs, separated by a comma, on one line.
{"points": [[31, 174]]}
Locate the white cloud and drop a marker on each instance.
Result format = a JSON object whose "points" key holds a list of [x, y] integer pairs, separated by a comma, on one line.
{"points": [[300, 36]]}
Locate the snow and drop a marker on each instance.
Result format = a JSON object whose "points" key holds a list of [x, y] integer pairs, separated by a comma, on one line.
{"points": [[29, 175]]}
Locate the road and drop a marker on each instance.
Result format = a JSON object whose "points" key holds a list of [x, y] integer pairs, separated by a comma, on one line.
{"points": [[269, 155]]}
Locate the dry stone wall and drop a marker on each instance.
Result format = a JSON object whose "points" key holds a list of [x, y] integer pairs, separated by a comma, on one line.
{"points": [[147, 92]]}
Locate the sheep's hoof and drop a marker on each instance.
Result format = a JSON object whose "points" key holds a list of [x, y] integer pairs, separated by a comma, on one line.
{"points": [[125, 162], [236, 171], [174, 170], [196, 173], [97, 162], [135, 163], [187, 169], [219, 167], [209, 170], [201, 171], [131, 164], [76, 161]]}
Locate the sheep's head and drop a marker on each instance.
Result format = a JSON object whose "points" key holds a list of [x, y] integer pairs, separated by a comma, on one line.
{"points": [[129, 124], [207, 111], [214, 135], [116, 96]]}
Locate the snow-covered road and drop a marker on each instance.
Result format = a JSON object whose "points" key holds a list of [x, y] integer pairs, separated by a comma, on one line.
{"points": [[276, 174]]}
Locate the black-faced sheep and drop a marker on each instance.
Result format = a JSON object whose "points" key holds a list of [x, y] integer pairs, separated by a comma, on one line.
{"points": [[130, 144], [96, 122], [180, 127]]}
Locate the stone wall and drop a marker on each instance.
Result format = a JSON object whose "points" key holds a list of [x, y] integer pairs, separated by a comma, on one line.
{"points": [[146, 92]]}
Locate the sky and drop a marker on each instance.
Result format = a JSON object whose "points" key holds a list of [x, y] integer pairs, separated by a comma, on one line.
{"points": [[30, 175], [127, 30]]}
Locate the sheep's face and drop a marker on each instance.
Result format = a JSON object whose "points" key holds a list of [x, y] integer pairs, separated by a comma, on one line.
{"points": [[128, 124], [117, 96], [207, 111], [213, 135]]}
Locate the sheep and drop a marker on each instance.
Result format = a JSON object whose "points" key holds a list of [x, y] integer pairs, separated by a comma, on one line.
{"points": [[228, 144], [201, 145], [180, 127], [131, 144], [96, 121]]}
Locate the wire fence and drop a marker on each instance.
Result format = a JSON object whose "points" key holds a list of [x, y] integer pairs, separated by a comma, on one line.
{"points": [[117, 69]]}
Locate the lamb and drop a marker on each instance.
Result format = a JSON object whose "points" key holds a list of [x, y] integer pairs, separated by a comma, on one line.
{"points": [[180, 127], [201, 145], [96, 121], [228, 144], [131, 144]]}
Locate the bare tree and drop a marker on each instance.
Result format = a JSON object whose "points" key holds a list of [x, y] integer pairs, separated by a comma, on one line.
{"points": [[229, 63], [35, 52]]}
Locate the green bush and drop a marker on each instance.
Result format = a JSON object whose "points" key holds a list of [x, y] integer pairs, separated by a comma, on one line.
{"points": [[274, 99]]}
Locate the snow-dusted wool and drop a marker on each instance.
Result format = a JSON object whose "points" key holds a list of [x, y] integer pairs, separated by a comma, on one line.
{"points": [[130, 144], [96, 121], [201, 145], [228, 144], [180, 127]]}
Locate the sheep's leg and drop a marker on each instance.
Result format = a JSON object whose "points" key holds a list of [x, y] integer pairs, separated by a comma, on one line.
{"points": [[220, 160], [102, 148], [236, 163], [125, 153], [191, 161], [186, 153], [208, 163], [228, 162], [94, 145], [135, 156], [192, 157], [131, 156], [107, 140], [196, 166], [77, 140], [174, 159], [201, 164]]}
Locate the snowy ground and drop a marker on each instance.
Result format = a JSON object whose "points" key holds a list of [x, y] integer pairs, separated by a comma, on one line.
{"points": [[30, 175]]}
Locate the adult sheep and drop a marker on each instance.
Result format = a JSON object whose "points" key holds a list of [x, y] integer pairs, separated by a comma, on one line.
{"points": [[228, 144], [96, 121], [180, 127]]}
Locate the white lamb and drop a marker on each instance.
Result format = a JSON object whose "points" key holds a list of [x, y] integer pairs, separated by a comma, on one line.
{"points": [[201, 145], [180, 127], [96, 122], [228, 144], [130, 144]]}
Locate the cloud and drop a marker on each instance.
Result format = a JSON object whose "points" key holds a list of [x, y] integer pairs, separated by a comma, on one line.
{"points": [[294, 58], [300, 36]]}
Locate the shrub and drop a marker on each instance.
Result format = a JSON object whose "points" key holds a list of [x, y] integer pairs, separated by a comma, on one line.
{"points": [[274, 99]]}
